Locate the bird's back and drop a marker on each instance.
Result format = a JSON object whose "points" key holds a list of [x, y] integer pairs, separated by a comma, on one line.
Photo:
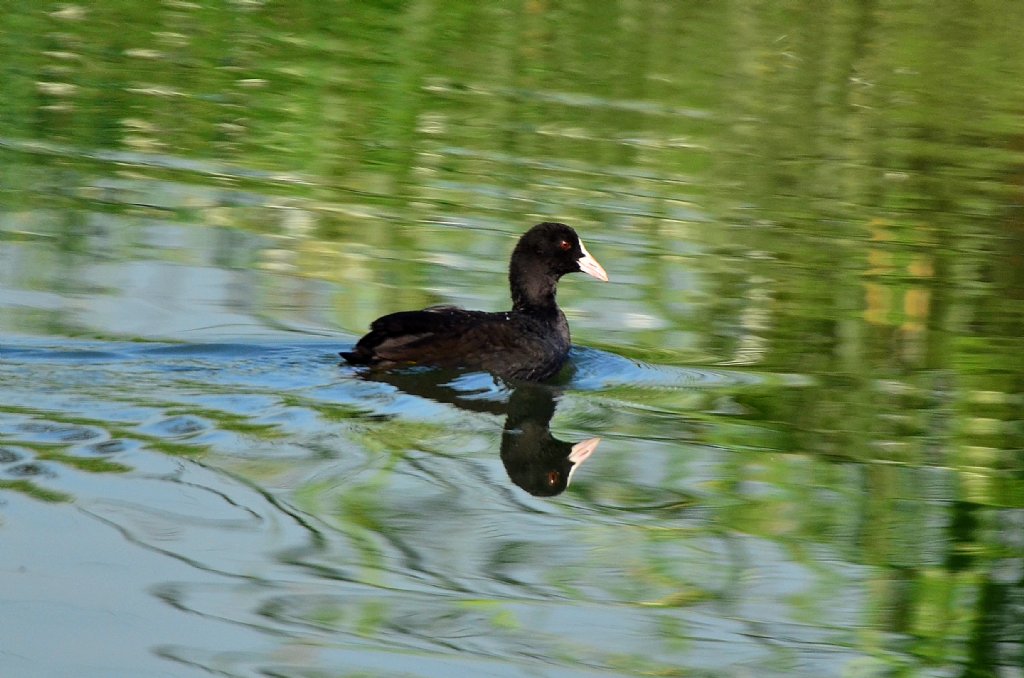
{"points": [[512, 344]]}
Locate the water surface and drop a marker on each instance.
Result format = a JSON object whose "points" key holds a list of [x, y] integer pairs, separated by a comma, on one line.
{"points": [[805, 373]]}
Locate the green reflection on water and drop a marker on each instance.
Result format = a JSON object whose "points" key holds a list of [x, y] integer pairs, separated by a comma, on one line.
{"points": [[829, 191]]}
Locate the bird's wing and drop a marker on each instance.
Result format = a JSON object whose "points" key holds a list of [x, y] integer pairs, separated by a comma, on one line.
{"points": [[434, 335]]}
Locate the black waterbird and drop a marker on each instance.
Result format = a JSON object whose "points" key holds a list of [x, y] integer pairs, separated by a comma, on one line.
{"points": [[530, 342]]}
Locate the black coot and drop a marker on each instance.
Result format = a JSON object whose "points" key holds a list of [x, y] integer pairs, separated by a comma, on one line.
{"points": [[529, 342]]}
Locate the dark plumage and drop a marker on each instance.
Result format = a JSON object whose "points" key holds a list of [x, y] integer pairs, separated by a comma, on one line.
{"points": [[529, 342]]}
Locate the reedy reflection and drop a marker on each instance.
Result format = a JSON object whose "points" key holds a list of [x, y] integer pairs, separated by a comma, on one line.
{"points": [[534, 459]]}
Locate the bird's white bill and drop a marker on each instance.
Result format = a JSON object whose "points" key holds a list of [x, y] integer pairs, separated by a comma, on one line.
{"points": [[589, 265], [580, 452]]}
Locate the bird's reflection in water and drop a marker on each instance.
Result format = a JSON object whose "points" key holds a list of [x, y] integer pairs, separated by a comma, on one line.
{"points": [[534, 459]]}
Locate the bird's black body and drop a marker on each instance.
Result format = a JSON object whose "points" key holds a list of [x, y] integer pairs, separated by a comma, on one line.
{"points": [[512, 345], [529, 342]]}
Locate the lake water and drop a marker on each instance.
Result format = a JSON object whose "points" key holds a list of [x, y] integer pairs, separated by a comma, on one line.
{"points": [[805, 373]]}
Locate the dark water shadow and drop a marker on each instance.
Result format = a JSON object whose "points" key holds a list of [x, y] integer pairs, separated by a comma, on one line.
{"points": [[534, 459]]}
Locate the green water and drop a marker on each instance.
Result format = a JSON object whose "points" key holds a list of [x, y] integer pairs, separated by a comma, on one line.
{"points": [[805, 373]]}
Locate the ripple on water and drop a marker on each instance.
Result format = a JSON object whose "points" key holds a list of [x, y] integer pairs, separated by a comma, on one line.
{"points": [[32, 469], [77, 354], [44, 432], [596, 370], [381, 477], [113, 446], [210, 350], [181, 426], [9, 456]]}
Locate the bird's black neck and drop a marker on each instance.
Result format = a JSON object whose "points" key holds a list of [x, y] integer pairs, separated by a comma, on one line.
{"points": [[533, 291]]}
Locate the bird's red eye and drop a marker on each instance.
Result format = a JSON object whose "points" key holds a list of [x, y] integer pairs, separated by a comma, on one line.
{"points": [[565, 245], [553, 478]]}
